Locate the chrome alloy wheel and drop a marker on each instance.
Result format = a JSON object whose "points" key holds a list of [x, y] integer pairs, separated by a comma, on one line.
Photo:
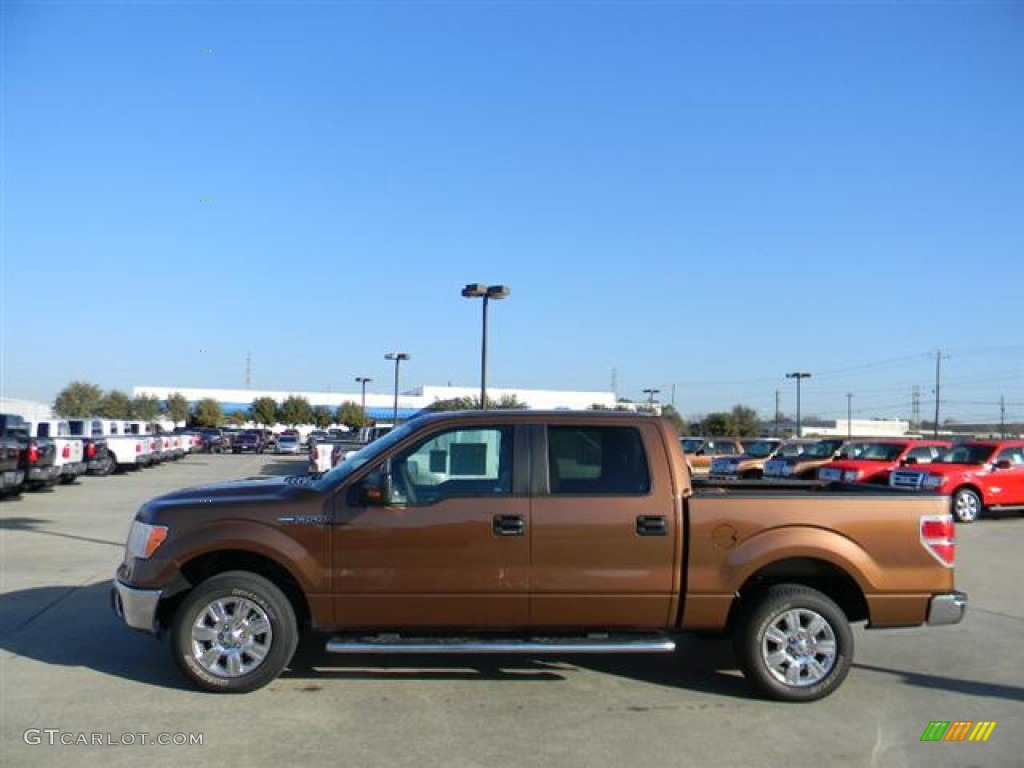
{"points": [[799, 647], [966, 506], [231, 637]]}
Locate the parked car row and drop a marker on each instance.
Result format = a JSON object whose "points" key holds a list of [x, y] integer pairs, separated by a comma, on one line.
{"points": [[39, 454], [979, 476]]}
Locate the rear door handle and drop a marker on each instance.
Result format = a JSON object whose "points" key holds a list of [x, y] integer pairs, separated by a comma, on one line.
{"points": [[652, 525], [509, 525]]}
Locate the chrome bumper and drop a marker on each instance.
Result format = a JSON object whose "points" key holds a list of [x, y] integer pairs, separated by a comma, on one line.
{"points": [[947, 609], [135, 607]]}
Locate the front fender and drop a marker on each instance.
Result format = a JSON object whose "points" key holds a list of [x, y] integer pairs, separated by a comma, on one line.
{"points": [[304, 562]]}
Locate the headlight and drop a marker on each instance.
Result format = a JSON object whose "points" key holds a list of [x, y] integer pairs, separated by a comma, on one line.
{"points": [[851, 475], [144, 539], [931, 482]]}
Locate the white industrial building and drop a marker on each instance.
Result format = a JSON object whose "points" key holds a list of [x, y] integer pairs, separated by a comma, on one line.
{"points": [[860, 428], [30, 410], [380, 406]]}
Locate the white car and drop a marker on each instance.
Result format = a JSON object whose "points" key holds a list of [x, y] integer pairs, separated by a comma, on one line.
{"points": [[288, 444]]}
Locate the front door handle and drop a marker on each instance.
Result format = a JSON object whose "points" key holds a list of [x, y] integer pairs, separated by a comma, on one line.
{"points": [[652, 525], [509, 525]]}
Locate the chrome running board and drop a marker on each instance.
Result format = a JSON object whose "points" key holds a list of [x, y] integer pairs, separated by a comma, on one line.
{"points": [[387, 644]]}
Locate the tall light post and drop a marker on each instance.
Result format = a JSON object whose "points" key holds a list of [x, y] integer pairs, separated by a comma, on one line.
{"points": [[650, 396], [849, 415], [398, 357], [363, 381], [485, 292], [798, 375]]}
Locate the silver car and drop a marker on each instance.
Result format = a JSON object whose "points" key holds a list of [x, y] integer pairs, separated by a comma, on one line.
{"points": [[288, 444]]}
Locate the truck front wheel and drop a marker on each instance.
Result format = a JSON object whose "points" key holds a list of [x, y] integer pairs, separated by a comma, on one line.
{"points": [[966, 505], [234, 633], [794, 643]]}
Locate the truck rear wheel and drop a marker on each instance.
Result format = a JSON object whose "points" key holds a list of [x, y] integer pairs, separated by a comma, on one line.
{"points": [[234, 633], [794, 643]]}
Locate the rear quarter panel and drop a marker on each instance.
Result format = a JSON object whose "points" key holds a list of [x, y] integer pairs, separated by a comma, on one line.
{"points": [[873, 538]]}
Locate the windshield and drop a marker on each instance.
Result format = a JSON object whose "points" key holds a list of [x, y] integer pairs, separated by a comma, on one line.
{"points": [[362, 457], [762, 449], [881, 452], [823, 450], [967, 454], [691, 445]]}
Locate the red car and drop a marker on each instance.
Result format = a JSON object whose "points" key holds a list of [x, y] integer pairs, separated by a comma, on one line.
{"points": [[876, 459], [981, 475]]}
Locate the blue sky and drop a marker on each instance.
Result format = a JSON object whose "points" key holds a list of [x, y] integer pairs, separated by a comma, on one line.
{"points": [[699, 197]]}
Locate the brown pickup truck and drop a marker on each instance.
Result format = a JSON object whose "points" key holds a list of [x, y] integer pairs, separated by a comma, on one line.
{"points": [[530, 532]]}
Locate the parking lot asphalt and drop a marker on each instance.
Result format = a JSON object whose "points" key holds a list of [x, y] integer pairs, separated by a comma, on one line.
{"points": [[69, 671]]}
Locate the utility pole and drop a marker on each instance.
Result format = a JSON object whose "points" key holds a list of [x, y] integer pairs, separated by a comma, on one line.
{"points": [[849, 415], [615, 383], [938, 383], [778, 414], [248, 370], [915, 407], [1002, 416], [673, 395], [798, 375]]}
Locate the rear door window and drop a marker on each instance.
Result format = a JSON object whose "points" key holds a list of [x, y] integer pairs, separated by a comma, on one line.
{"points": [[597, 460]]}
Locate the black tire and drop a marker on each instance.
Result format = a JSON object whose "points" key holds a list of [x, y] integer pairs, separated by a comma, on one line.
{"points": [[966, 505], [247, 601], [811, 661]]}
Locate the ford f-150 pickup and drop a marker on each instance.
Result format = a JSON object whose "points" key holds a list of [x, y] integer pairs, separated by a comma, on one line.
{"points": [[530, 532], [36, 459], [69, 451], [982, 475], [875, 460]]}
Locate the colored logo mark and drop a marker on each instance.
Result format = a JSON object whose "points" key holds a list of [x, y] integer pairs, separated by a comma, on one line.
{"points": [[958, 730]]}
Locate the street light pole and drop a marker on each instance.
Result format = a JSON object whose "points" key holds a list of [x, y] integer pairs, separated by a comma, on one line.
{"points": [[650, 396], [849, 415], [398, 357], [798, 375], [363, 380], [485, 292]]}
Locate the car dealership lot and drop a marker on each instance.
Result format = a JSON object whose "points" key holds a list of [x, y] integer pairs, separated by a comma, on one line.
{"points": [[69, 669]]}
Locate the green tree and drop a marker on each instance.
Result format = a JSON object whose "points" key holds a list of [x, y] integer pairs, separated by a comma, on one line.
{"points": [[146, 408], [745, 422], [237, 418], [505, 402], [295, 410], [264, 411], [207, 413], [116, 405], [670, 413], [78, 400], [351, 415], [176, 407], [717, 423], [323, 417]]}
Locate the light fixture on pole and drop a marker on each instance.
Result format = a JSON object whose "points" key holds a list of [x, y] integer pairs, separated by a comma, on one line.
{"points": [[798, 375], [363, 380], [398, 357], [650, 396], [485, 292]]}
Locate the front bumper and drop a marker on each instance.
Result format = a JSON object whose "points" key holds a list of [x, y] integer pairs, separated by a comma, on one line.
{"points": [[947, 609], [135, 607]]}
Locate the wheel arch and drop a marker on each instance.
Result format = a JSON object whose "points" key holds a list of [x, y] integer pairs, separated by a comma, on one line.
{"points": [[202, 567], [821, 575]]}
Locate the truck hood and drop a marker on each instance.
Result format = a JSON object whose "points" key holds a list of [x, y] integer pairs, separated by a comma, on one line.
{"points": [[258, 489]]}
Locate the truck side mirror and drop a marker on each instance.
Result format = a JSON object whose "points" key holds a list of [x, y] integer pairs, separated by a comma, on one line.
{"points": [[375, 490], [1003, 464], [909, 461]]}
